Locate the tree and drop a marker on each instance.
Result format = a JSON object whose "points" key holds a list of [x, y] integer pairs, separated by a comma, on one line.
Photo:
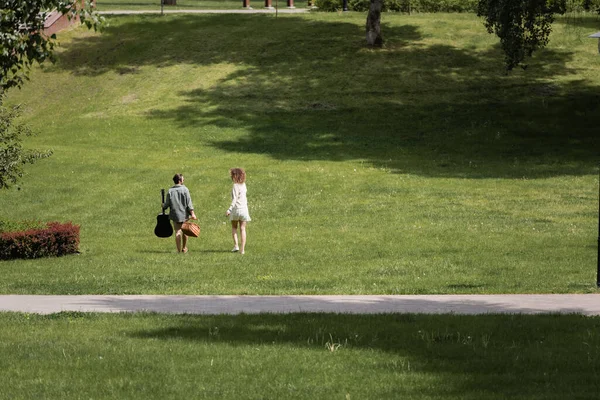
{"points": [[374, 37], [12, 155], [23, 43], [523, 26], [22, 39]]}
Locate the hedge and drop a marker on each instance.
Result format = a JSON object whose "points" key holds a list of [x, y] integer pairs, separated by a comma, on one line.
{"points": [[433, 6], [55, 239]]}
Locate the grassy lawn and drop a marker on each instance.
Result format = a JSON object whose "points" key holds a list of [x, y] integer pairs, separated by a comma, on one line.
{"points": [[301, 356], [112, 5], [417, 168]]}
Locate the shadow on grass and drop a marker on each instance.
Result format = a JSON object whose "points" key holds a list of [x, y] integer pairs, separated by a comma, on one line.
{"points": [[307, 89], [489, 356]]}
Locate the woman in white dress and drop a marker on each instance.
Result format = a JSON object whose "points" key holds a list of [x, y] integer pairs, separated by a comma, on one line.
{"points": [[238, 210]]}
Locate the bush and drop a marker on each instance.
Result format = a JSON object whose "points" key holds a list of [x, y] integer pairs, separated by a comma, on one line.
{"points": [[328, 5], [425, 6], [358, 5], [55, 239], [388, 5], [433, 6], [582, 5]]}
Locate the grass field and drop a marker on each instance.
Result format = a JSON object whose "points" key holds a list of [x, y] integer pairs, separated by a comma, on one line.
{"points": [[417, 168], [301, 356]]}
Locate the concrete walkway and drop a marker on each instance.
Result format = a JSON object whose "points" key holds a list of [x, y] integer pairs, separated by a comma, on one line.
{"points": [[586, 304]]}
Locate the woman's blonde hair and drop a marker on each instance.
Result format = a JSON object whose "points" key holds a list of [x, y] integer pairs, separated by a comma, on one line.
{"points": [[238, 175]]}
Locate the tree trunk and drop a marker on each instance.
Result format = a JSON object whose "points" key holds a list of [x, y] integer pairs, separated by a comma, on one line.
{"points": [[374, 24]]}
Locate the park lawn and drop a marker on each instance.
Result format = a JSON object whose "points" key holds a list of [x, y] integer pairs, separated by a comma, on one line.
{"points": [[299, 356], [417, 168]]}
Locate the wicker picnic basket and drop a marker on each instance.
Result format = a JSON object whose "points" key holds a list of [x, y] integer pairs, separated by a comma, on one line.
{"points": [[190, 229]]}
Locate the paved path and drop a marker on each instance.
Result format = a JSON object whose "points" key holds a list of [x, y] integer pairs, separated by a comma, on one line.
{"points": [[232, 11], [586, 304]]}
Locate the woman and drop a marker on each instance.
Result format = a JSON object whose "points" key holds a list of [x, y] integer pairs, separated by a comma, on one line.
{"points": [[238, 210]]}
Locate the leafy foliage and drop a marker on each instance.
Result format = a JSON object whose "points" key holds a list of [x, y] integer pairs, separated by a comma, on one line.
{"points": [[434, 6], [12, 155], [582, 5], [22, 39], [406, 6], [523, 26], [55, 239], [22, 43]]}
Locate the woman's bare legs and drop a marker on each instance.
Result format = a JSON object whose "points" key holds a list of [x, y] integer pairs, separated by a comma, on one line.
{"points": [[234, 225], [243, 235]]}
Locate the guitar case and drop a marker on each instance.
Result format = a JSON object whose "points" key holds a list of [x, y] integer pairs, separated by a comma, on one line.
{"points": [[163, 228]]}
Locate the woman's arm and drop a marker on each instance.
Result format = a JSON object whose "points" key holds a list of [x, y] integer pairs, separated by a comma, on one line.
{"points": [[234, 197]]}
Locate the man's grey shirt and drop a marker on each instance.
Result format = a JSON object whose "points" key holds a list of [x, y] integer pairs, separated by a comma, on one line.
{"points": [[180, 203]]}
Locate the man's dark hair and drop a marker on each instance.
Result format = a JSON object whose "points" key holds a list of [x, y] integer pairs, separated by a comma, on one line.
{"points": [[178, 178]]}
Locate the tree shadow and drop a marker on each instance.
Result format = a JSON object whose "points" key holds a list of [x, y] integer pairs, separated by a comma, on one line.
{"points": [[489, 356], [251, 40], [411, 107]]}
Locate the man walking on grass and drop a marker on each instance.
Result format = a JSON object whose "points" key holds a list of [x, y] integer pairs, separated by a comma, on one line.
{"points": [[181, 209]]}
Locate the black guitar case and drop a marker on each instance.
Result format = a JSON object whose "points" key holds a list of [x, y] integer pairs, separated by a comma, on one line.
{"points": [[163, 224]]}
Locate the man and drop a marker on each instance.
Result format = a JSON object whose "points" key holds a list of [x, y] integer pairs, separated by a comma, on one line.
{"points": [[180, 203]]}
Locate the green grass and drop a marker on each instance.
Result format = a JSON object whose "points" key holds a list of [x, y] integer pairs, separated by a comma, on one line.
{"points": [[13, 226], [417, 168], [301, 356], [136, 5]]}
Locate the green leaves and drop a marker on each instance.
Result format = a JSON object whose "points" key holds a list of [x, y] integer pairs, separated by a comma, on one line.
{"points": [[22, 41], [523, 26], [12, 155]]}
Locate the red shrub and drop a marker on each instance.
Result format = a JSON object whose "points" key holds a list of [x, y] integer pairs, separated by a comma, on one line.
{"points": [[55, 240]]}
